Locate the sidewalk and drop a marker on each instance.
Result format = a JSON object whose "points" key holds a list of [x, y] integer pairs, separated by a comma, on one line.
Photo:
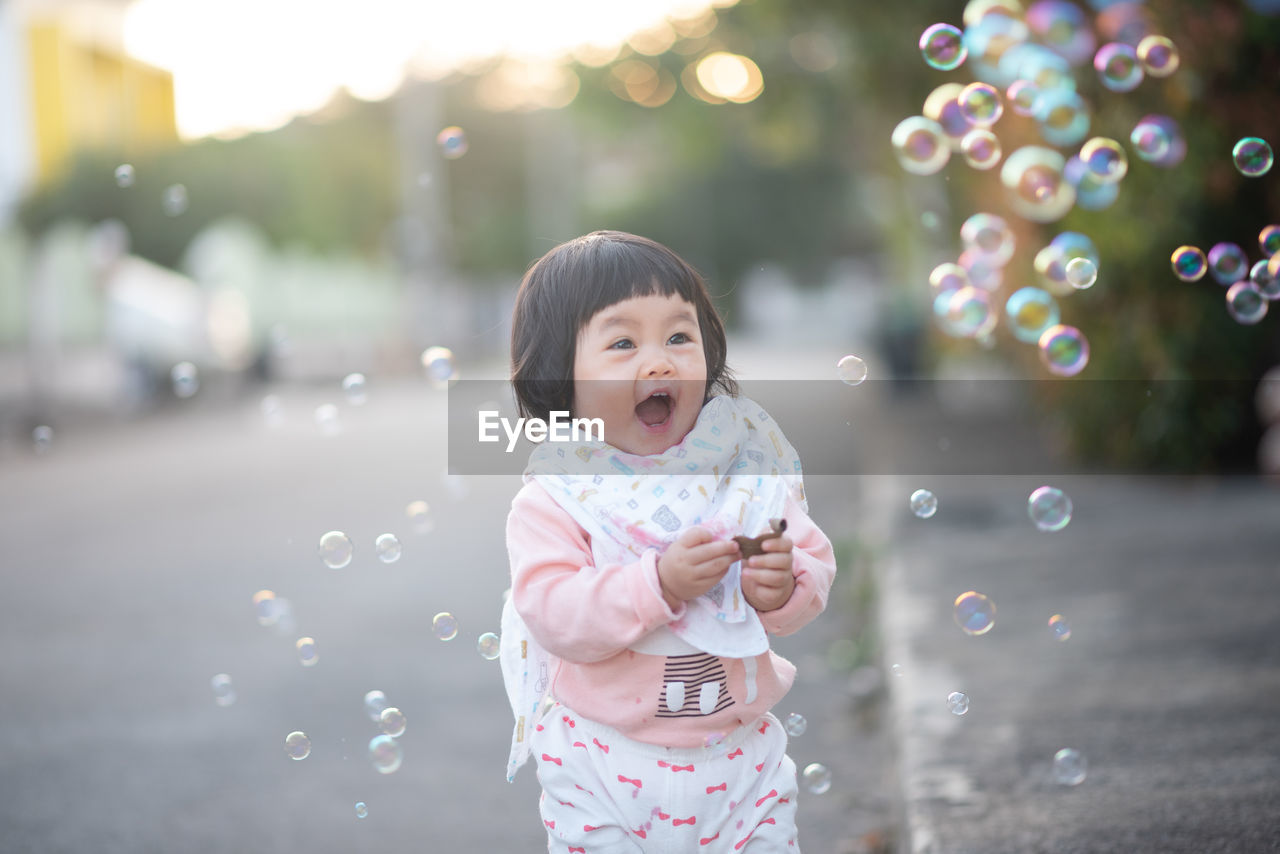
{"points": [[1168, 684]]}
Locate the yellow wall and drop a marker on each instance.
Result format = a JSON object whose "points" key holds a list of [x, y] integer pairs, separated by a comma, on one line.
{"points": [[87, 97]]}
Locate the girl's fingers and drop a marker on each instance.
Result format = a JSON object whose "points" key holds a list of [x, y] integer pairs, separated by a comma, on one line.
{"points": [[773, 560], [778, 544], [714, 551]]}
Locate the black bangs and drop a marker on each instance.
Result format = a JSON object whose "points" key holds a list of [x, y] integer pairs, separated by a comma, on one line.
{"points": [[603, 270]]}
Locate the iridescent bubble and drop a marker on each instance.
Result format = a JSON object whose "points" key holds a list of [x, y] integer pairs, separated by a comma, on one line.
{"points": [[185, 379], [897, 670], [297, 745], [327, 419], [264, 602], [1037, 189], [1150, 140], [920, 145], [816, 778], [444, 626], [1037, 64], [335, 549], [943, 47], [969, 314], [1227, 263], [1105, 159], [990, 236], [984, 271], [1051, 261], [224, 693], [419, 513], [387, 548], [1049, 508], [1252, 156], [1021, 96], [1118, 67], [452, 141], [1092, 194], [1266, 281], [385, 754], [975, 613], [851, 369], [355, 389], [392, 721], [795, 724], [438, 362], [1030, 312], [1059, 627], [42, 438], [1062, 116], [957, 702], [947, 278], [1063, 27], [1245, 303], [1177, 148], [924, 503], [374, 703], [1081, 273], [981, 104], [362, 811], [981, 149], [1064, 350], [307, 653], [489, 646], [943, 106], [1269, 240], [1069, 767], [124, 175], [1189, 263], [1158, 55], [175, 199]]}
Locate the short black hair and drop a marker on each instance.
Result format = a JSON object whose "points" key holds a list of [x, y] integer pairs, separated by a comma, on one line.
{"points": [[576, 280]]}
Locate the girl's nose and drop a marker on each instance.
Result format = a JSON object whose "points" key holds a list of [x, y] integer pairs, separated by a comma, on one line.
{"points": [[659, 366]]}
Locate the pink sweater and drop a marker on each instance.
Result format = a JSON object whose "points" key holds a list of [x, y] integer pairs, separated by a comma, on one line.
{"points": [[589, 618]]}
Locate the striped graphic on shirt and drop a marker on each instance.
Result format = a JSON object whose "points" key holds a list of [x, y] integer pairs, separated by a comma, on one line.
{"points": [[693, 671]]}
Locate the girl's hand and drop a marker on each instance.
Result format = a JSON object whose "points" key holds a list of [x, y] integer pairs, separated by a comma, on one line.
{"points": [[693, 564], [767, 581]]}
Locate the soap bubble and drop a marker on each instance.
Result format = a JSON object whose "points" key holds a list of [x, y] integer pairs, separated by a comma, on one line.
{"points": [[1118, 67], [948, 278], [920, 145], [374, 703], [1064, 350], [975, 613], [1069, 767], [1158, 55], [438, 362], [419, 513], [264, 602], [452, 141], [1189, 263], [852, 370], [897, 670], [943, 47], [385, 754], [1269, 240], [990, 236], [307, 651], [1021, 96], [924, 503], [795, 724], [335, 549], [984, 271], [1227, 263], [1030, 312], [1267, 283], [957, 702], [943, 106], [1049, 508], [444, 626], [1059, 626], [981, 149], [1092, 192], [1150, 140], [224, 693], [968, 313], [1037, 189], [327, 419], [1081, 273], [297, 745], [1051, 261], [1105, 159], [124, 175], [387, 548], [1063, 27], [981, 104], [355, 389], [362, 811], [489, 646], [1062, 116], [1252, 156], [1245, 303], [816, 778], [1169, 156], [175, 199], [392, 721], [42, 438], [185, 379]]}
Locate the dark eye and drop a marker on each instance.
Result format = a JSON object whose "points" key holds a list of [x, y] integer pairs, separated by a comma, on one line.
{"points": [[621, 344], [679, 338]]}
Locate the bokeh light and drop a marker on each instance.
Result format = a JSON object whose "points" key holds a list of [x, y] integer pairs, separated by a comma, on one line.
{"points": [[920, 145]]}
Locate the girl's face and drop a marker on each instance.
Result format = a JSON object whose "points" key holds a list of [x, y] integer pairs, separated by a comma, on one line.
{"points": [[641, 369]]}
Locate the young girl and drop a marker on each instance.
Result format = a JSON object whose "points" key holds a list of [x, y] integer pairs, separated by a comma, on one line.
{"points": [[635, 642]]}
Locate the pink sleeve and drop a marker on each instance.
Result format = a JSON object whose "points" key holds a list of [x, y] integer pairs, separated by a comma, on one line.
{"points": [[576, 610], [814, 566]]}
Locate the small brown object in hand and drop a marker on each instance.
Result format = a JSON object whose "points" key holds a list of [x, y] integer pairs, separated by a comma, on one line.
{"points": [[755, 545]]}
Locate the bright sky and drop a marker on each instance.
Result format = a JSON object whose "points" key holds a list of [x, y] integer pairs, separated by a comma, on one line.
{"points": [[243, 65]]}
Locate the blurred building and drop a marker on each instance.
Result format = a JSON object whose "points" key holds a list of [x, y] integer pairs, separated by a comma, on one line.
{"points": [[66, 84]]}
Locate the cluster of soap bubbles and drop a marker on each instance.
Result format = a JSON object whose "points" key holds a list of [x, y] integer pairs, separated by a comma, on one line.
{"points": [[1250, 289], [385, 752], [336, 549]]}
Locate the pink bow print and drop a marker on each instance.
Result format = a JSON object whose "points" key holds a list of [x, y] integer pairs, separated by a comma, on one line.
{"points": [[723, 787], [635, 783], [555, 759], [693, 819]]}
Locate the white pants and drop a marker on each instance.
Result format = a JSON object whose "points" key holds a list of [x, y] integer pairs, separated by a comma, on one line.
{"points": [[604, 793]]}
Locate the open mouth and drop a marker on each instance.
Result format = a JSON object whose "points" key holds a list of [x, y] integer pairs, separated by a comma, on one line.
{"points": [[655, 410]]}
